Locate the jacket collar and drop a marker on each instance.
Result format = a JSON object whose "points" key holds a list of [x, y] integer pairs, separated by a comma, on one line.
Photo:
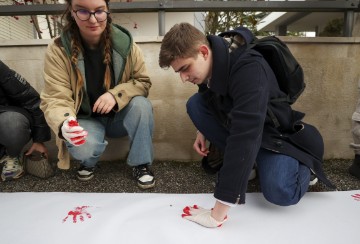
{"points": [[121, 44], [121, 41], [220, 64]]}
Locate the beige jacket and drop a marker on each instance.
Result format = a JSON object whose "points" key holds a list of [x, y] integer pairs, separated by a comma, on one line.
{"points": [[61, 99]]}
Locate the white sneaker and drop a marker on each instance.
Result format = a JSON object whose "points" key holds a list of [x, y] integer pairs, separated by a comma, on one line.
{"points": [[144, 177], [12, 168], [313, 178]]}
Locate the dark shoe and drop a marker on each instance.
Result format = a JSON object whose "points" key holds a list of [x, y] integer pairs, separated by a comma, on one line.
{"points": [[143, 175], [354, 169], [313, 179], [85, 173], [213, 162]]}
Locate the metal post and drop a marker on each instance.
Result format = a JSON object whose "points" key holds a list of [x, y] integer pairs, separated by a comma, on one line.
{"points": [[281, 30], [348, 23], [161, 17], [161, 21]]}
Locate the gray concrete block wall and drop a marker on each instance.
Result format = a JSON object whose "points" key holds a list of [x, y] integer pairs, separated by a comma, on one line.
{"points": [[331, 74]]}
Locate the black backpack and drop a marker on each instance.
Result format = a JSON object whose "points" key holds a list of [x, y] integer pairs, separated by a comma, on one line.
{"points": [[288, 72]]}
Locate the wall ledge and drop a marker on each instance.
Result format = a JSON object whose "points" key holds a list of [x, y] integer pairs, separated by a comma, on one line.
{"points": [[158, 39], [45, 42], [329, 40]]}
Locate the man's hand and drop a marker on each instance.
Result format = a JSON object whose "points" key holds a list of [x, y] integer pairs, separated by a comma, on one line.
{"points": [[200, 145], [38, 147], [104, 103], [72, 132], [201, 216]]}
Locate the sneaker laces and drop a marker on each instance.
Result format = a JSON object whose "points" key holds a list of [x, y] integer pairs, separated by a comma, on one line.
{"points": [[83, 167], [142, 172]]}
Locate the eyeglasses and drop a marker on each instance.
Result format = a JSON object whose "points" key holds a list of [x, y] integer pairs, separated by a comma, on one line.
{"points": [[83, 14]]}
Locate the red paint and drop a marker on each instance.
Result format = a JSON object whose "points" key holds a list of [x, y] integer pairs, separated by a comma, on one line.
{"points": [[77, 138], [73, 123], [356, 197], [80, 142], [78, 212]]}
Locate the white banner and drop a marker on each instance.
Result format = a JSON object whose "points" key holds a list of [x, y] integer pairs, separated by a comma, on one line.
{"points": [[104, 218]]}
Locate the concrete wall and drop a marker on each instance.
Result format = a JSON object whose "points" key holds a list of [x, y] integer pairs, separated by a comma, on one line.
{"points": [[331, 74]]}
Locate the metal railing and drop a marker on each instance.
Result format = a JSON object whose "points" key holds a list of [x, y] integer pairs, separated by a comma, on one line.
{"points": [[162, 6]]}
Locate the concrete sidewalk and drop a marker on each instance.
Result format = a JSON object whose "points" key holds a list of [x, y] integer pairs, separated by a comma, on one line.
{"points": [[171, 177]]}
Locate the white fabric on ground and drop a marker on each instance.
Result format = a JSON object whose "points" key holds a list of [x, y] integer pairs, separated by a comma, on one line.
{"points": [[321, 218]]}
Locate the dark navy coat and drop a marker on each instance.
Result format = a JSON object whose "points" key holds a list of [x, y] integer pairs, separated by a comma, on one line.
{"points": [[241, 87]]}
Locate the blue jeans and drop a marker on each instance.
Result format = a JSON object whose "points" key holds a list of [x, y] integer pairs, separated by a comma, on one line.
{"points": [[134, 120], [283, 179], [15, 132]]}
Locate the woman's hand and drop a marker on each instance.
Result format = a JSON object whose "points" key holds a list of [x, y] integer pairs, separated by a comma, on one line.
{"points": [[38, 147], [104, 104]]}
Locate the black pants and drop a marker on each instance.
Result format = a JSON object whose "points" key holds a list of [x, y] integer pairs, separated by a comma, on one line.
{"points": [[15, 132]]}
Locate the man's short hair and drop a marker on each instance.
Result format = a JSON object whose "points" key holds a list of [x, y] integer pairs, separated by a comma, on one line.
{"points": [[181, 41]]}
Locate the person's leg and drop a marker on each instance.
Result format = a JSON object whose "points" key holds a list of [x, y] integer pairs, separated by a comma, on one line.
{"points": [[89, 153], [205, 121], [283, 180], [136, 121], [354, 169], [15, 133]]}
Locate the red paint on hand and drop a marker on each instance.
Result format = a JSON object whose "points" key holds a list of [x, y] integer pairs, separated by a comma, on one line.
{"points": [[80, 142], [356, 197], [73, 123], [185, 215]]}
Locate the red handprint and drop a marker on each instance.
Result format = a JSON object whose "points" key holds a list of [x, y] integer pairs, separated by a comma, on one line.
{"points": [[79, 211], [356, 197]]}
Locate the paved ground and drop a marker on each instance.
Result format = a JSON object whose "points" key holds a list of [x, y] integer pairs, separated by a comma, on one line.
{"points": [[172, 177]]}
